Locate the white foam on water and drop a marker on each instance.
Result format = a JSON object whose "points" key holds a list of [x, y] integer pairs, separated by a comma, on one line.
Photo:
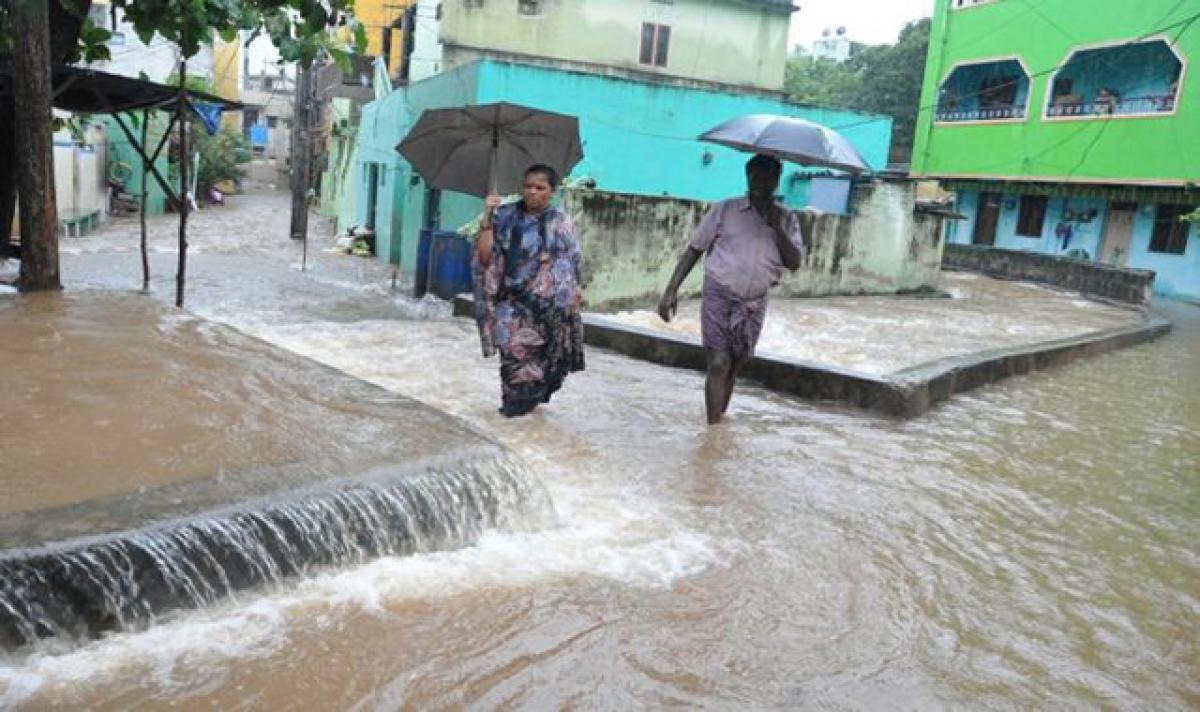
{"points": [[427, 307], [609, 527], [622, 538]]}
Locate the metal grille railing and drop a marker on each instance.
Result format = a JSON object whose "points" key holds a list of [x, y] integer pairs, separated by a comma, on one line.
{"points": [[1151, 104], [1006, 111]]}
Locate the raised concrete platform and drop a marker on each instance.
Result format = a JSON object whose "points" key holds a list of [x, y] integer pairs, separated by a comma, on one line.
{"points": [[907, 393], [160, 461], [915, 386]]}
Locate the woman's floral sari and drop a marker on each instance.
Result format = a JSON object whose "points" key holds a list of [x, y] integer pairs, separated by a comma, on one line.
{"points": [[527, 303]]}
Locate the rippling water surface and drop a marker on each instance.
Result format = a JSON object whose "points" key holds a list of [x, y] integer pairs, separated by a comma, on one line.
{"points": [[1032, 544]]}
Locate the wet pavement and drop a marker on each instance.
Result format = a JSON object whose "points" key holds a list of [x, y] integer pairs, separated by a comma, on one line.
{"points": [[882, 335], [114, 396], [1032, 544]]}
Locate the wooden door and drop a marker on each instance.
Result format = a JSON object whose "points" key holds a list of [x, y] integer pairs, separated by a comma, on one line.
{"points": [[1118, 230], [986, 217]]}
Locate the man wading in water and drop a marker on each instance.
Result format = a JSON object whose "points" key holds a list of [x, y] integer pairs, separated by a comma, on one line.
{"points": [[746, 243]]}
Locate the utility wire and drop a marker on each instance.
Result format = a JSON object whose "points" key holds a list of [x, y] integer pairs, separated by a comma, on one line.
{"points": [[1186, 23]]}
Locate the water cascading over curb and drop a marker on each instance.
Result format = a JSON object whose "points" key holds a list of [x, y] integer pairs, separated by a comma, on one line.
{"points": [[82, 588]]}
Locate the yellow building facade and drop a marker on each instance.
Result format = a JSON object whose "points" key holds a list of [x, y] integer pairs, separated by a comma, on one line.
{"points": [[227, 79], [383, 20]]}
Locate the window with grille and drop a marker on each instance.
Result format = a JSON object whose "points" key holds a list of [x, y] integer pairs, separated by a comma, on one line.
{"points": [[1032, 216], [1170, 233], [529, 7], [656, 43]]}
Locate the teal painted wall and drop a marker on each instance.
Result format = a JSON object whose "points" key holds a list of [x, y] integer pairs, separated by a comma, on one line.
{"points": [[339, 197], [1176, 275], [382, 125], [1085, 236], [399, 202], [119, 149], [638, 138], [455, 87], [641, 138]]}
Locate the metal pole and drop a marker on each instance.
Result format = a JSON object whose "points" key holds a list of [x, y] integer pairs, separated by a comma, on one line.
{"points": [[184, 205], [304, 252], [142, 207]]}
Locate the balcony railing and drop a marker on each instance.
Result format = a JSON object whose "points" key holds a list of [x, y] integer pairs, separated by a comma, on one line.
{"points": [[1153, 104], [991, 113]]}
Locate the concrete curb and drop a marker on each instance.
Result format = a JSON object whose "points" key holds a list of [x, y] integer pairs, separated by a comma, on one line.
{"points": [[906, 393], [942, 378]]}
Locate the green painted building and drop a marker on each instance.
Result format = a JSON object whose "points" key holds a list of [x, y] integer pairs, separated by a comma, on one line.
{"points": [[734, 42], [1070, 127]]}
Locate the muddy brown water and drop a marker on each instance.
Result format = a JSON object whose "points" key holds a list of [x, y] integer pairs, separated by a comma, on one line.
{"points": [[1032, 544]]}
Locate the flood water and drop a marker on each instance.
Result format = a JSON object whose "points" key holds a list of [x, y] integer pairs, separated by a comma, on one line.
{"points": [[882, 335], [1032, 544]]}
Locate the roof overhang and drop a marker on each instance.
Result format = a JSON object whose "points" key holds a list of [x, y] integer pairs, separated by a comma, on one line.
{"points": [[777, 5], [1129, 191], [91, 91]]}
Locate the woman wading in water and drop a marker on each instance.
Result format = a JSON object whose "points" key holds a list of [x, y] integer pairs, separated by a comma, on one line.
{"points": [[527, 294]]}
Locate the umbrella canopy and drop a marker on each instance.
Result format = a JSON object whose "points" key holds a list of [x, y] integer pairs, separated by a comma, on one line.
{"points": [[788, 139], [477, 149]]}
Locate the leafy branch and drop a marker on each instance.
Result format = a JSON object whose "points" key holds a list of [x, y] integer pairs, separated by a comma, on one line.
{"points": [[300, 29]]}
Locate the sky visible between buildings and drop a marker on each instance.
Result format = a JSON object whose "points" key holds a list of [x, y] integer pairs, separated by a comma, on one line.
{"points": [[867, 21]]}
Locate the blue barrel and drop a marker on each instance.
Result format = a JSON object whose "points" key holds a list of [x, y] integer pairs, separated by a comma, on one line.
{"points": [[449, 265], [421, 278]]}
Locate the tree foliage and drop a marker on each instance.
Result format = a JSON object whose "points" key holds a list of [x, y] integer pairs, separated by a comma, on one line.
{"points": [[89, 45], [883, 79], [824, 82], [298, 28], [222, 156]]}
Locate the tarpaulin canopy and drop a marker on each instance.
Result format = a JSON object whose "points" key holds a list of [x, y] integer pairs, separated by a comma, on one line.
{"points": [[91, 91]]}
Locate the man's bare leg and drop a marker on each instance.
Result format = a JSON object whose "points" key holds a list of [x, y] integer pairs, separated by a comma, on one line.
{"points": [[718, 385], [735, 367]]}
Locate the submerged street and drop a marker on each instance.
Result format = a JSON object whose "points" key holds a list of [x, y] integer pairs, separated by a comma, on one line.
{"points": [[1031, 544]]}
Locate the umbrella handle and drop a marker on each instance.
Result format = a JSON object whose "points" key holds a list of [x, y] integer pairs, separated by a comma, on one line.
{"points": [[492, 160]]}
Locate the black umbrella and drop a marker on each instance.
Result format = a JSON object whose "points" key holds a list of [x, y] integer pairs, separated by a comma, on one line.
{"points": [[788, 139], [485, 148]]}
